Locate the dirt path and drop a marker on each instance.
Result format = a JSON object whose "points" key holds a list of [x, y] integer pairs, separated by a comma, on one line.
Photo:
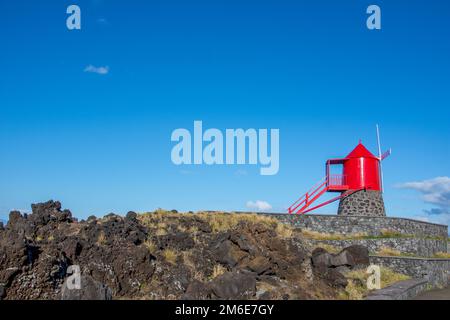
{"points": [[443, 294]]}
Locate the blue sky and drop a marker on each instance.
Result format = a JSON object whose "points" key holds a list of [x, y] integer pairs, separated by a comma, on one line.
{"points": [[100, 141]]}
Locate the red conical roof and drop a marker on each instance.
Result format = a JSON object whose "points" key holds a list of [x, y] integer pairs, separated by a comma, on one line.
{"points": [[360, 152]]}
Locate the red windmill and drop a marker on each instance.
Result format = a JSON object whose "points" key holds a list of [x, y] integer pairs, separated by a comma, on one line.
{"points": [[361, 171]]}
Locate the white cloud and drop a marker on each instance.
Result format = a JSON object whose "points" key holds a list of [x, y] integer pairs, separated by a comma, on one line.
{"points": [[99, 70], [103, 22], [434, 191], [259, 205]]}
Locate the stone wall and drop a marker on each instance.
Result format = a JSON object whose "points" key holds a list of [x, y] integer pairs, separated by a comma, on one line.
{"points": [[406, 235], [373, 226], [362, 203], [403, 290], [406, 246], [435, 271], [418, 238]]}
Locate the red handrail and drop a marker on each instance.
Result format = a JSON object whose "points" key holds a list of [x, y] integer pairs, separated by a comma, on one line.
{"points": [[304, 199], [343, 195]]}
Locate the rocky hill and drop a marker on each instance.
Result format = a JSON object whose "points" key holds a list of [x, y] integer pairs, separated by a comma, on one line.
{"points": [[165, 255]]}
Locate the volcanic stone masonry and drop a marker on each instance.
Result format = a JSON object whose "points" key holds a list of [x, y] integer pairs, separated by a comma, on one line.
{"points": [[372, 226], [362, 203]]}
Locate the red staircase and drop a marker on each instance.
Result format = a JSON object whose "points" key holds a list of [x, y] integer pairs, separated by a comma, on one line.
{"points": [[331, 183]]}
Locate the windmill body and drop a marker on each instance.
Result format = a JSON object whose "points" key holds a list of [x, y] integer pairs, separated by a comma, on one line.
{"points": [[360, 185]]}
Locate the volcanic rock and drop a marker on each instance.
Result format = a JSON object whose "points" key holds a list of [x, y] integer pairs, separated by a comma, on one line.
{"points": [[90, 289], [166, 255], [234, 286]]}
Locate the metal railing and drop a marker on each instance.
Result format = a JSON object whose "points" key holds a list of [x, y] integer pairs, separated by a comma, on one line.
{"points": [[305, 199], [337, 180]]}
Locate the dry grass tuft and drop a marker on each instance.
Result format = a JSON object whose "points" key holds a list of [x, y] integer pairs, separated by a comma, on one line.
{"points": [[193, 229], [160, 232], [170, 255], [328, 247], [357, 289], [101, 240], [187, 259], [442, 255], [284, 231], [151, 246], [314, 235], [189, 262], [157, 218], [386, 251], [218, 270], [353, 291], [218, 221], [386, 233], [389, 277]]}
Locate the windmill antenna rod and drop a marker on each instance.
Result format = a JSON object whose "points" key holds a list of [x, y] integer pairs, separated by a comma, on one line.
{"points": [[379, 157], [378, 142]]}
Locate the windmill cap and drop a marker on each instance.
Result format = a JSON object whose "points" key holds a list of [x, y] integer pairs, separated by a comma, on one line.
{"points": [[360, 152]]}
